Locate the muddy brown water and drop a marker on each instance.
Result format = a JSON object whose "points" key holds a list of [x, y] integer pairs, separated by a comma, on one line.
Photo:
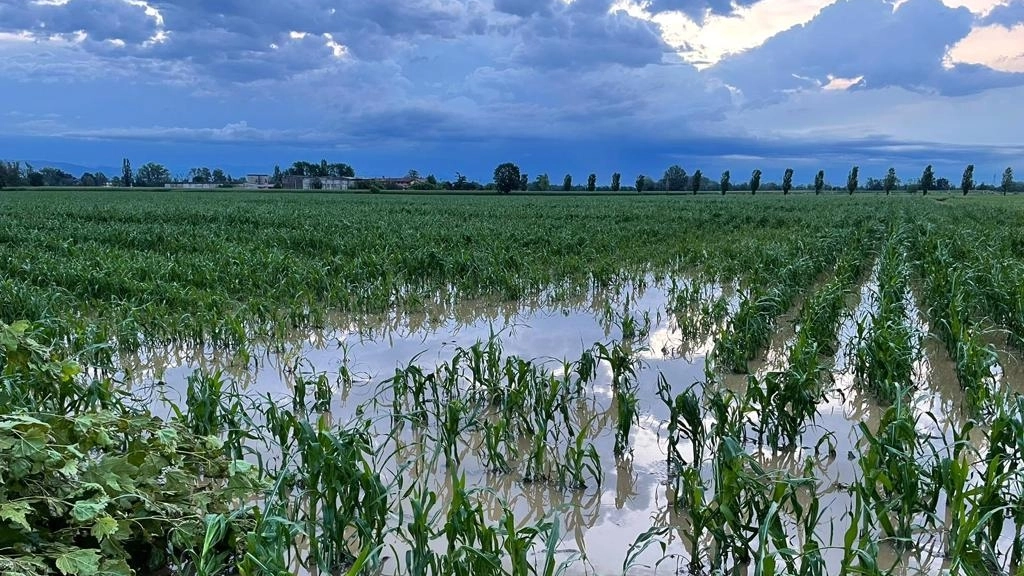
{"points": [[601, 522]]}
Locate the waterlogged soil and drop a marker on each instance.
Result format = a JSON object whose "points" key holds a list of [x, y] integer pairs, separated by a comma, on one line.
{"points": [[600, 522]]}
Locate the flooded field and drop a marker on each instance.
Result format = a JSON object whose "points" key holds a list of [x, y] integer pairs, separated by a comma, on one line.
{"points": [[266, 385], [603, 523]]}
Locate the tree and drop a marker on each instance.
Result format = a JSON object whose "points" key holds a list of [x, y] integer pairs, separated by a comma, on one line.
{"points": [[724, 182], [675, 179], [890, 181], [567, 183], [1007, 180], [592, 183], [819, 182], [696, 181], [278, 178], [616, 182], [57, 177], [126, 174], [641, 181], [219, 177], [755, 181], [35, 179], [152, 174], [967, 182], [342, 170], [787, 181], [927, 180], [853, 180], [300, 168], [10, 174], [200, 175], [507, 177], [543, 183], [524, 181]]}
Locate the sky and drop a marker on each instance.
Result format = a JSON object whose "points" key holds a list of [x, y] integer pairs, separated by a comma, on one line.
{"points": [[557, 86]]}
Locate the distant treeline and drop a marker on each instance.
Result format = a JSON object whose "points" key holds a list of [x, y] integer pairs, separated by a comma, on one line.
{"points": [[507, 177]]}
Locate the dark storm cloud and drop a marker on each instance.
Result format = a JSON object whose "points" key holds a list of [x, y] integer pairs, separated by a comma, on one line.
{"points": [[211, 34], [560, 85], [101, 19], [696, 9], [584, 34], [1007, 15], [524, 8], [867, 38]]}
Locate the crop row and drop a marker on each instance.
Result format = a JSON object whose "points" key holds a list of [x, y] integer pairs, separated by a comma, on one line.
{"points": [[144, 268]]}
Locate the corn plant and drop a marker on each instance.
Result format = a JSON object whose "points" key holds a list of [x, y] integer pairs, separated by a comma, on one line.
{"points": [[581, 460], [895, 483], [886, 345], [952, 295], [345, 502], [628, 414]]}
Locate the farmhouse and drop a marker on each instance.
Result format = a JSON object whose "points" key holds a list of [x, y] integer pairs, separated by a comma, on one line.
{"points": [[258, 181], [402, 183], [315, 183], [190, 186], [347, 183]]}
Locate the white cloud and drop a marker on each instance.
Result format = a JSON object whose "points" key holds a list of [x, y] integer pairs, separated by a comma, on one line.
{"points": [[980, 7], [339, 50], [19, 37], [996, 46], [232, 132], [719, 35], [152, 12], [837, 83]]}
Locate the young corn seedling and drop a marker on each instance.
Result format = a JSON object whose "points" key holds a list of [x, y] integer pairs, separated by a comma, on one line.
{"points": [[581, 460], [628, 411], [498, 450], [950, 292], [887, 348], [895, 483], [215, 409]]}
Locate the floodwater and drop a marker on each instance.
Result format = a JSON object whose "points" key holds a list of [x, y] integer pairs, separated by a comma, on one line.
{"points": [[599, 522]]}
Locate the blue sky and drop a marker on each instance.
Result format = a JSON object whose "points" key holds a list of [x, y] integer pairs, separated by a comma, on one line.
{"points": [[557, 86]]}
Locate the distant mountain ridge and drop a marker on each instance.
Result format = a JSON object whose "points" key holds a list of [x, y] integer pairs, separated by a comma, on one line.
{"points": [[73, 169]]}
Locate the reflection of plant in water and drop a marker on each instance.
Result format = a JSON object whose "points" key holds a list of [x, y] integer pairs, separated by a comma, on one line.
{"points": [[698, 312], [506, 400], [739, 514]]}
